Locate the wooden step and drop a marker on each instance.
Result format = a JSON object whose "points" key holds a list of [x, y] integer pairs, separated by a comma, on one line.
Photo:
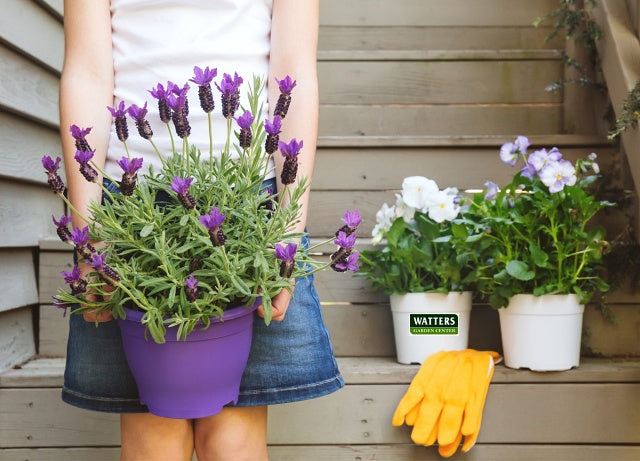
{"points": [[523, 410]]}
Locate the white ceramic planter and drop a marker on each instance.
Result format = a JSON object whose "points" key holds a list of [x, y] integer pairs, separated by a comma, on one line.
{"points": [[542, 333], [432, 328]]}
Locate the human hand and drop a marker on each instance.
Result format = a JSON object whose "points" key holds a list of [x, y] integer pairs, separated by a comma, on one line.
{"points": [[92, 315], [279, 305]]}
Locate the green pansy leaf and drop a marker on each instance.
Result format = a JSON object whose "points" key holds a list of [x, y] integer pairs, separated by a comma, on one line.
{"points": [[519, 270], [539, 257]]}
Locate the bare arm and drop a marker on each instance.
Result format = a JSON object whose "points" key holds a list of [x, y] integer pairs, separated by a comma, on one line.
{"points": [[294, 41], [86, 89]]}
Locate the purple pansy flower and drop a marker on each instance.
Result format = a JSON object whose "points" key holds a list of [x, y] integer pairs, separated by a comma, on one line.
{"points": [[191, 288], [286, 253], [181, 187], [53, 178], [558, 174], [212, 222], [510, 151], [61, 227], [541, 158], [492, 190]]}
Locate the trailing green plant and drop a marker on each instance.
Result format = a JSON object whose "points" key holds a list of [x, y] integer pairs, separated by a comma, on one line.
{"points": [[630, 113]]}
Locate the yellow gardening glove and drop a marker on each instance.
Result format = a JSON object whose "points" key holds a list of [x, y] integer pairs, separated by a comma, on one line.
{"points": [[425, 429], [464, 401], [407, 409], [483, 368]]}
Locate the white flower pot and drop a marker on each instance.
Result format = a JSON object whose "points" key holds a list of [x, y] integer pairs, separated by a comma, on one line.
{"points": [[542, 333], [432, 328]]}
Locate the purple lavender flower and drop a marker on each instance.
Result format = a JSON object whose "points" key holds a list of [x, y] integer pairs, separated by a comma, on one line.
{"points": [[181, 187], [351, 222], [106, 273], [203, 79], [191, 288], [61, 227], [142, 124], [83, 157], [177, 102], [510, 151], [213, 222], [230, 97], [286, 253], [119, 113], [53, 178], [492, 190], [160, 93], [350, 263], [244, 122], [285, 85], [60, 304], [180, 91], [290, 153], [77, 284], [130, 175], [80, 238], [79, 134], [273, 134], [345, 246]]}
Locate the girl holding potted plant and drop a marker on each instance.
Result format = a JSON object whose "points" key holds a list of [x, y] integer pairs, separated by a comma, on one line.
{"points": [[114, 51]]}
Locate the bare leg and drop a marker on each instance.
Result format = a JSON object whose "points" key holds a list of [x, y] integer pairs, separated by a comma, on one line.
{"points": [[149, 437], [235, 434]]}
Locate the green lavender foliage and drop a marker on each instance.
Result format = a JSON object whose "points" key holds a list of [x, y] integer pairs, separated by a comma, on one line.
{"points": [[154, 243]]}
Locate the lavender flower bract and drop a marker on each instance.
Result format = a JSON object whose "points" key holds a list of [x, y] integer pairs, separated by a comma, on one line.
{"points": [[119, 113], [290, 152], [53, 178], [286, 85], [106, 273], [177, 102], [181, 187], [286, 253], [77, 284], [160, 93], [80, 238], [213, 222], [130, 175], [244, 122], [191, 288], [351, 222], [83, 158], [79, 135], [142, 124], [230, 97], [203, 79], [61, 227]]}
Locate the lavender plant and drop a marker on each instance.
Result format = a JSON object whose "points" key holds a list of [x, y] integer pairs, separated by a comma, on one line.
{"points": [[203, 233], [534, 235]]}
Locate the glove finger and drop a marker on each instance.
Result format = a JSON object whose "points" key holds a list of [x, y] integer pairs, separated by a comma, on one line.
{"points": [[412, 416], [449, 449], [483, 368], [469, 441], [415, 392], [427, 422], [456, 397]]}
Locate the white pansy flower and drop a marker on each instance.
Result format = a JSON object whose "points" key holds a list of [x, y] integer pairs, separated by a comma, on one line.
{"points": [[403, 210], [418, 192], [445, 208]]}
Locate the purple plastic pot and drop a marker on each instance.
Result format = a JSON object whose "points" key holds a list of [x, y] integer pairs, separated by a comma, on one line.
{"points": [[190, 378]]}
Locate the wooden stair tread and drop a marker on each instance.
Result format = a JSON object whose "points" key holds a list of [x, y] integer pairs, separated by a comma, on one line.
{"points": [[564, 140], [48, 372]]}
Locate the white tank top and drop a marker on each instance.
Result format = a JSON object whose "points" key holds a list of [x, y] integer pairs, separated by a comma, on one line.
{"points": [[155, 41]]}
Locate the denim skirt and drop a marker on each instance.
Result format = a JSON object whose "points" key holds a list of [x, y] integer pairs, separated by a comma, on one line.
{"points": [[289, 361]]}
